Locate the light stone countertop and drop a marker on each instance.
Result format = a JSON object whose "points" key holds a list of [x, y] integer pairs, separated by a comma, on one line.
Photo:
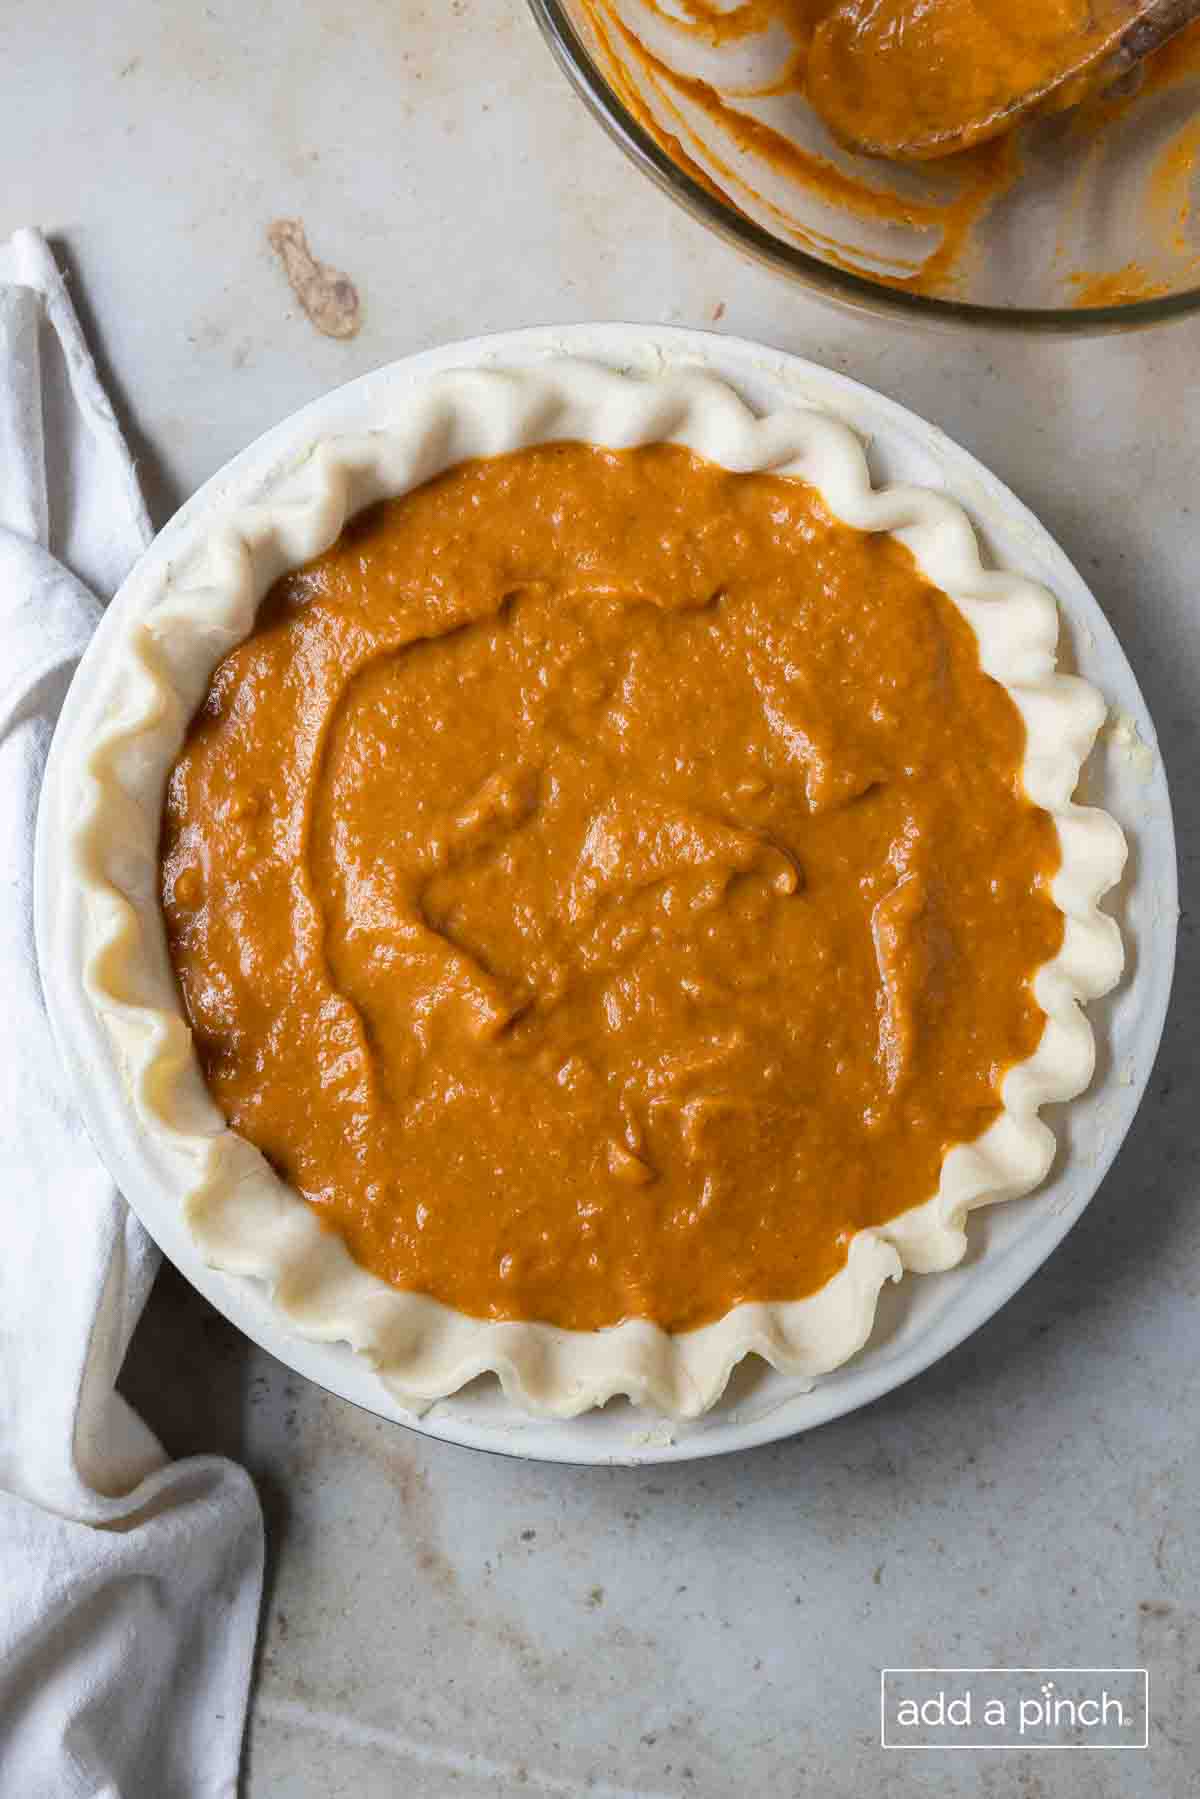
{"points": [[441, 1622]]}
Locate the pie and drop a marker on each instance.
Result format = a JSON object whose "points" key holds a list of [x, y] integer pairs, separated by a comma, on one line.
{"points": [[620, 877]]}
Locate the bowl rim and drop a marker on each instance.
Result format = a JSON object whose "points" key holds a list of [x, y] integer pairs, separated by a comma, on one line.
{"points": [[842, 286]]}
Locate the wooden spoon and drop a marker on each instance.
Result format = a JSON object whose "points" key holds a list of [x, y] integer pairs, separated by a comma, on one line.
{"points": [[915, 79]]}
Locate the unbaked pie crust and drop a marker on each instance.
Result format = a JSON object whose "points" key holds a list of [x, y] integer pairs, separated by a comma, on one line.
{"points": [[243, 1217]]}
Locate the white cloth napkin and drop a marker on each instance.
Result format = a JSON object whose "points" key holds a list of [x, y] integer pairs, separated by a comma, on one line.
{"points": [[129, 1587]]}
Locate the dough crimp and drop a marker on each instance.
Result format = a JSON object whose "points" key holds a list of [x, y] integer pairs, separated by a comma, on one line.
{"points": [[243, 1217]]}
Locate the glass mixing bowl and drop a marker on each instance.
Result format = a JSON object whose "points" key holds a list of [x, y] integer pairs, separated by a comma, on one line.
{"points": [[1082, 220]]}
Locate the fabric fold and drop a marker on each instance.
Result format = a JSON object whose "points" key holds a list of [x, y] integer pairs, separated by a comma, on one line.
{"points": [[129, 1586]]}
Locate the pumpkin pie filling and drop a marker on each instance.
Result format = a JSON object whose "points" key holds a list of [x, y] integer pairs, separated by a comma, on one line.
{"points": [[602, 884], [946, 74]]}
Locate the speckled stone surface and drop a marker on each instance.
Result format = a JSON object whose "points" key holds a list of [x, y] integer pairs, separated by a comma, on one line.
{"points": [[440, 1622]]}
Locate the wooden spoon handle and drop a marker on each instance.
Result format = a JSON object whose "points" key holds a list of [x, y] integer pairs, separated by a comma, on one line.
{"points": [[1151, 31]]}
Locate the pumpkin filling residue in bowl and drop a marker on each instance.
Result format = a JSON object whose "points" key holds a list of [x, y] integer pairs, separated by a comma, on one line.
{"points": [[755, 102], [603, 883]]}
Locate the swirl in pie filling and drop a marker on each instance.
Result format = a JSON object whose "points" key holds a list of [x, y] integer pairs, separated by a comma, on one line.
{"points": [[603, 883]]}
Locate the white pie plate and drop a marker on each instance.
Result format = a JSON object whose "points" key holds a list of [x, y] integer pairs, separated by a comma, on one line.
{"points": [[926, 1315]]}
